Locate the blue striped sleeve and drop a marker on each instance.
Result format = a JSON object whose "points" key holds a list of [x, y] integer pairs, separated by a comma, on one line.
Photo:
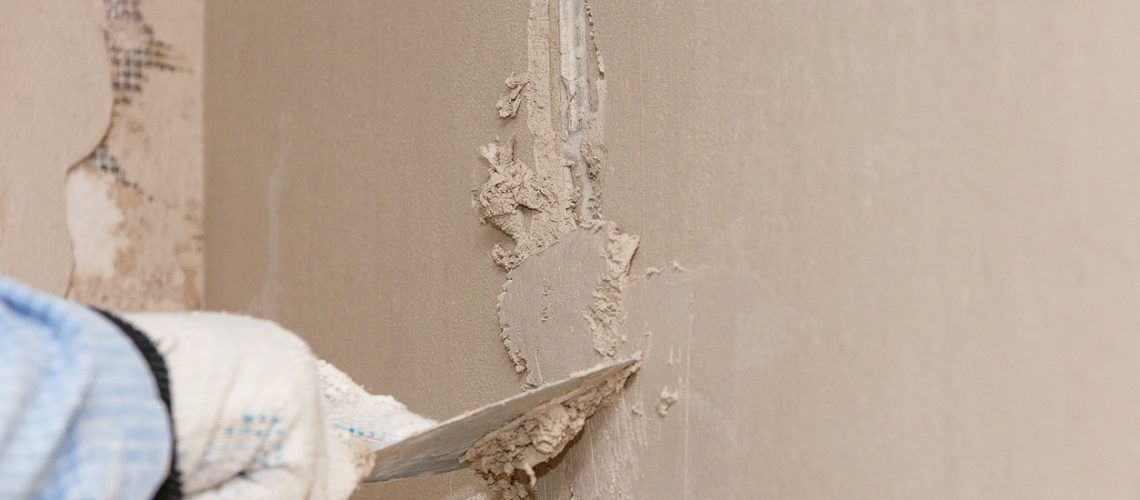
{"points": [[80, 412]]}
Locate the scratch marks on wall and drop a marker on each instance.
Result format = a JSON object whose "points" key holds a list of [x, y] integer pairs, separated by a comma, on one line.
{"points": [[135, 204]]}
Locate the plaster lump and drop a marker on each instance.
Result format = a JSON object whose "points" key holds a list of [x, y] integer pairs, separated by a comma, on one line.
{"points": [[506, 458]]}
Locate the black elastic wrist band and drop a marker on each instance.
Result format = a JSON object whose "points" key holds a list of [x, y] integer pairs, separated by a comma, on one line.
{"points": [[171, 488]]}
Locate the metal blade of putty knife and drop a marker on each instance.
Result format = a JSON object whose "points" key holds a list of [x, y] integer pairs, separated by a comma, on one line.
{"points": [[438, 449]]}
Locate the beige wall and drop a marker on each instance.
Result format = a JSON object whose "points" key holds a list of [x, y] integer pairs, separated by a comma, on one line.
{"points": [[906, 233]]}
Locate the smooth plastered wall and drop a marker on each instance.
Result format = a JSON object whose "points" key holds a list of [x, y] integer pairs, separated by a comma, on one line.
{"points": [[887, 250]]}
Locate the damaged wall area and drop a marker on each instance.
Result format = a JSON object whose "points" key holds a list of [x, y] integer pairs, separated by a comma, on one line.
{"points": [[135, 203], [102, 196]]}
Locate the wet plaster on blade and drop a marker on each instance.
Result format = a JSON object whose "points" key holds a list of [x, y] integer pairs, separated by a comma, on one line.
{"points": [[57, 106], [506, 458]]}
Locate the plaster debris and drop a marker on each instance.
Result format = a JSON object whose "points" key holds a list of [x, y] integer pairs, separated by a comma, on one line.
{"points": [[506, 458], [533, 204], [538, 204], [637, 409], [605, 314], [511, 100], [524, 202], [593, 40], [666, 400]]}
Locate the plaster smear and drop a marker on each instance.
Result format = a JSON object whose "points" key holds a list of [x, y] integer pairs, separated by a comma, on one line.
{"points": [[538, 205], [94, 219], [605, 313], [562, 306], [524, 202], [506, 457], [532, 203]]}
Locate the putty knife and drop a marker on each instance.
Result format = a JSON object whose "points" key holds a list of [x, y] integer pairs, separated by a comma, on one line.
{"points": [[438, 449]]}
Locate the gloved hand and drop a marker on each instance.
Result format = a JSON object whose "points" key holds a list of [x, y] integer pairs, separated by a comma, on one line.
{"points": [[257, 416]]}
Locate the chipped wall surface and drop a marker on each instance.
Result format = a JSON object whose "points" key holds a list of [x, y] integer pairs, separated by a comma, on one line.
{"points": [[135, 204], [102, 165], [882, 250]]}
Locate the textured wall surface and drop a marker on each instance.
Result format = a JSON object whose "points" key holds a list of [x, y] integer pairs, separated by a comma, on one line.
{"points": [[101, 197], [907, 263]]}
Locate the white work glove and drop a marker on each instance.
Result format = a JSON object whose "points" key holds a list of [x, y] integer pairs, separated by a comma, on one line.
{"points": [[257, 416]]}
